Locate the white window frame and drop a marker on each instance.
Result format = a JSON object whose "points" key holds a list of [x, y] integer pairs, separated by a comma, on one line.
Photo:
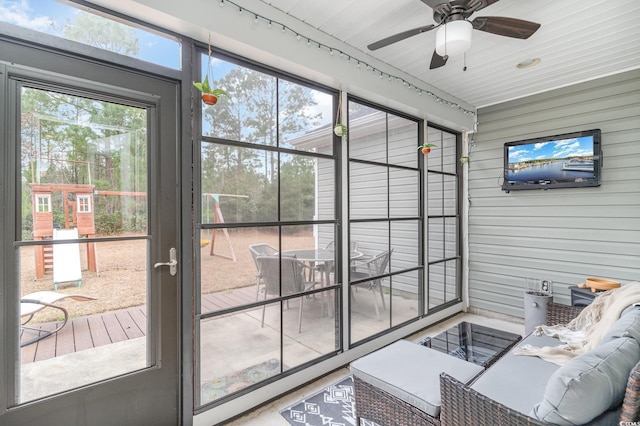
{"points": [[43, 200], [83, 204]]}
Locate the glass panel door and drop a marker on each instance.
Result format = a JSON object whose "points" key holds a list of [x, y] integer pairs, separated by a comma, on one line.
{"points": [[93, 215], [83, 241]]}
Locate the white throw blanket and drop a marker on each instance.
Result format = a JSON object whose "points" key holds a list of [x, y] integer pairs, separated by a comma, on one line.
{"points": [[585, 331]]}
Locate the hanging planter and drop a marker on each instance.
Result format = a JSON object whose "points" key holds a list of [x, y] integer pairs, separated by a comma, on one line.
{"points": [[209, 96], [340, 129], [426, 148]]}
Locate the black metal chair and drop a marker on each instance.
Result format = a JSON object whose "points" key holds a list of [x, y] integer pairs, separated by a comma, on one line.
{"points": [[256, 250], [283, 276], [374, 269]]}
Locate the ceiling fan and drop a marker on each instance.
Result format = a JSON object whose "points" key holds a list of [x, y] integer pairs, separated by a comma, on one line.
{"points": [[454, 29]]}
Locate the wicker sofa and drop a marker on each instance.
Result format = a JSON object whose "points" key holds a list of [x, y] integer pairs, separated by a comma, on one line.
{"points": [[461, 404]]}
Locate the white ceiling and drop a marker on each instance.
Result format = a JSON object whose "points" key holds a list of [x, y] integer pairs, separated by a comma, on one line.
{"points": [[578, 40]]}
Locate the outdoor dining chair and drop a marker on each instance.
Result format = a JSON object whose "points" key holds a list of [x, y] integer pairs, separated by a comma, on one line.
{"points": [[256, 250], [283, 276], [374, 269], [353, 246]]}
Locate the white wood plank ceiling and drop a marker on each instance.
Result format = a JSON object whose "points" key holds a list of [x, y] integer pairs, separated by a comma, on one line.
{"points": [[578, 40]]}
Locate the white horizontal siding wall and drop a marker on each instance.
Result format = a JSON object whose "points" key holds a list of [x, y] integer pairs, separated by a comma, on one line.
{"points": [[564, 235], [326, 196]]}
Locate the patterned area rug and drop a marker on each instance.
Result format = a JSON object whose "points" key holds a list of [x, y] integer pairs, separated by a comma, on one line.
{"points": [[333, 406], [214, 389]]}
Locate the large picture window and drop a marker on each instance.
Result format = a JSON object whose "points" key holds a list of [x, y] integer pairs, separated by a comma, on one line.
{"points": [[443, 219], [267, 213], [384, 220]]}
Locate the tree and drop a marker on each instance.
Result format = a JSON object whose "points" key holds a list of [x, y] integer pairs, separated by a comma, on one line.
{"points": [[100, 32], [297, 186], [265, 111]]}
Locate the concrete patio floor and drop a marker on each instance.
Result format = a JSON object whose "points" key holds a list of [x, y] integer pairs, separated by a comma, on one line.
{"points": [[316, 338], [269, 415]]}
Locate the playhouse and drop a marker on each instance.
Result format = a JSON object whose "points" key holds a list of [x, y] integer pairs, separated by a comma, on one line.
{"points": [[78, 214]]}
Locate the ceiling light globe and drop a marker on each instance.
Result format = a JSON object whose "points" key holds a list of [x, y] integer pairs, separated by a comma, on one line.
{"points": [[453, 38]]}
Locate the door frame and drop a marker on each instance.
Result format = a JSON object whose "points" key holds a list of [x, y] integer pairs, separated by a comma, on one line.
{"points": [[152, 395]]}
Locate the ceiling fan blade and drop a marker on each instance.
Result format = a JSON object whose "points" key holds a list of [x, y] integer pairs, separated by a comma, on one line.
{"points": [[437, 61], [400, 36], [508, 27]]}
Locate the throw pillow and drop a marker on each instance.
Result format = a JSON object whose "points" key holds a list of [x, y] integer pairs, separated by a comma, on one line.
{"points": [[589, 384], [627, 326]]}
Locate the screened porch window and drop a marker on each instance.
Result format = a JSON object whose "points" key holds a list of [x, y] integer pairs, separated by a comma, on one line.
{"points": [[267, 212], [385, 208]]}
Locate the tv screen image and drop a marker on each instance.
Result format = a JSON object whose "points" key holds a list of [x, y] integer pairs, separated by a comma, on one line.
{"points": [[560, 161]]}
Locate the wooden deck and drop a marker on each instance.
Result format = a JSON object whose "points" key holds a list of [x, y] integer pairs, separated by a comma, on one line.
{"points": [[103, 329], [85, 333]]}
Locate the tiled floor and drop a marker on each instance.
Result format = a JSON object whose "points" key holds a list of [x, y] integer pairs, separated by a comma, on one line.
{"points": [[270, 414]]}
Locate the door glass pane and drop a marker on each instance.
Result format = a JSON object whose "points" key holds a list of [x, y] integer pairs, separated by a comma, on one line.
{"points": [[83, 176]]}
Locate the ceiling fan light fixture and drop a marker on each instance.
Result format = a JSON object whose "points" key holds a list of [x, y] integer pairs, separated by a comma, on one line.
{"points": [[453, 38]]}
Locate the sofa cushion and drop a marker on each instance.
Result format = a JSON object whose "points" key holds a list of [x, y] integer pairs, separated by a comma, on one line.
{"points": [[527, 374], [411, 372], [627, 326], [589, 384]]}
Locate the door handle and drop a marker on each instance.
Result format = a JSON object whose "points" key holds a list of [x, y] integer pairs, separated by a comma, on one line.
{"points": [[172, 263]]}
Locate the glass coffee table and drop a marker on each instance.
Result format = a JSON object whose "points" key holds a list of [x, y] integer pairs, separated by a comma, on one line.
{"points": [[474, 343]]}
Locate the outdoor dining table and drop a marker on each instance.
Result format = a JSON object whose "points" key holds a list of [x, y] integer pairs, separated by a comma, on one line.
{"points": [[320, 256]]}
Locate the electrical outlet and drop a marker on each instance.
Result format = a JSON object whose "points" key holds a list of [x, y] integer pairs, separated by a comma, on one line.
{"points": [[545, 286]]}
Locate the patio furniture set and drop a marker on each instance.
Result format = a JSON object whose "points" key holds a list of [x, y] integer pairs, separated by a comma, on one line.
{"points": [[294, 271], [486, 383]]}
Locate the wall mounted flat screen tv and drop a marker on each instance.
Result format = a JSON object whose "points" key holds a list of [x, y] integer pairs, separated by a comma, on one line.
{"points": [[562, 161]]}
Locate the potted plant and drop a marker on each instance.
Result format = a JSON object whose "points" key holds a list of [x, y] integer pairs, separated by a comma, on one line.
{"points": [[426, 147], [340, 130], [209, 95]]}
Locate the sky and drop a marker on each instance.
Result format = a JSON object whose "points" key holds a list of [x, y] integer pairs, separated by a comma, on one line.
{"points": [[48, 16], [562, 148]]}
